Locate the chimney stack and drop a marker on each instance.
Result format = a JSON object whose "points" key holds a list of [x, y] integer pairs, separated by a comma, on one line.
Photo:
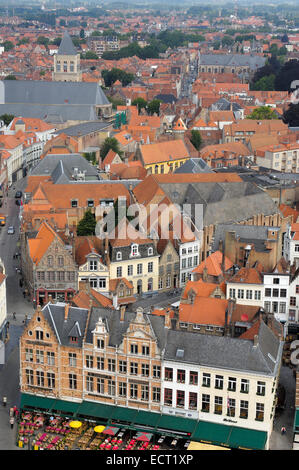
{"points": [[122, 313], [205, 274], [66, 311], [167, 322]]}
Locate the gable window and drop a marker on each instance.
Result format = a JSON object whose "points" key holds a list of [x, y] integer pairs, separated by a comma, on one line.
{"points": [[60, 261], [100, 343], [93, 265], [39, 334], [50, 260], [134, 349]]}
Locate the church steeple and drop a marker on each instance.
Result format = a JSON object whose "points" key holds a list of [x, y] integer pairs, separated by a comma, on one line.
{"points": [[67, 62]]}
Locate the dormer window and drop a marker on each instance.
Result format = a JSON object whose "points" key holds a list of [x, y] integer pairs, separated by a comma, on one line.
{"points": [[118, 256], [100, 343], [134, 250], [73, 339], [150, 251]]}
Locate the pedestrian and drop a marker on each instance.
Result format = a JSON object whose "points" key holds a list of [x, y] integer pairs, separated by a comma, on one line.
{"points": [[14, 316], [24, 294], [16, 413], [12, 422], [11, 412], [283, 430], [4, 401], [26, 317], [14, 410]]}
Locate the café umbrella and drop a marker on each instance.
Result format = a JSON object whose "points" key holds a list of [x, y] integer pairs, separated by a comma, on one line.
{"points": [[99, 428], [111, 430], [75, 424], [144, 436]]}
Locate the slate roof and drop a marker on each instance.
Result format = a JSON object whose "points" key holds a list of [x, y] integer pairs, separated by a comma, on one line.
{"points": [[247, 233], [66, 46], [61, 167], [226, 352], [194, 165], [224, 105], [51, 101], [222, 202], [230, 60], [84, 128]]}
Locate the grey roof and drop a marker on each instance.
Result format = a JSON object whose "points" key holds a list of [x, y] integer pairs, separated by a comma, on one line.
{"points": [[51, 101], [225, 105], [247, 233], [74, 326], [84, 128], [194, 165], [166, 98], [61, 168], [230, 60], [66, 46], [222, 202], [226, 352]]}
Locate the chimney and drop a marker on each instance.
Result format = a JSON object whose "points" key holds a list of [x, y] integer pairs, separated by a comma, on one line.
{"points": [[122, 313], [167, 322], [255, 341], [66, 311], [228, 315], [50, 298], [205, 274]]}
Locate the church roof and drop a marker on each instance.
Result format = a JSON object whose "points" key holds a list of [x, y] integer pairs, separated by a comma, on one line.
{"points": [[66, 46]]}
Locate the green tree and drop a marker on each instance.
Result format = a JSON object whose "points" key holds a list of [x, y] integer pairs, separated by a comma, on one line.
{"points": [[110, 143], [140, 103], [6, 118], [291, 115], [10, 77], [82, 33], [154, 107], [90, 55], [90, 157], [111, 76], [87, 224], [196, 139], [263, 112], [43, 40], [8, 45], [266, 83]]}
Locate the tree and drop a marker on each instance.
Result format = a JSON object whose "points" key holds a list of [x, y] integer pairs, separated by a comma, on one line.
{"points": [[82, 33], [263, 112], [87, 225], [291, 115], [8, 45], [6, 118], [288, 73], [90, 55], [43, 40], [140, 103], [90, 157], [154, 107], [110, 143], [266, 83], [111, 76], [196, 139], [10, 77]]}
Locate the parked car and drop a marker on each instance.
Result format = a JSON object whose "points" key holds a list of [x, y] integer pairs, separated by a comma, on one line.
{"points": [[11, 230], [18, 194]]}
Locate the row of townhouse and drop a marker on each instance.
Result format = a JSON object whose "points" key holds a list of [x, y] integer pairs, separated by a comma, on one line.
{"points": [[137, 361]]}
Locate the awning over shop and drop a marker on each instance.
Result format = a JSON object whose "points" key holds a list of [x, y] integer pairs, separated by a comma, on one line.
{"points": [[177, 424], [123, 414], [247, 438], [95, 410], [34, 401], [199, 446], [212, 433], [296, 421], [63, 406]]}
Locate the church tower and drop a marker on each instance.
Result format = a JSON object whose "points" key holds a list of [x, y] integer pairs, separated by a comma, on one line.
{"points": [[67, 62]]}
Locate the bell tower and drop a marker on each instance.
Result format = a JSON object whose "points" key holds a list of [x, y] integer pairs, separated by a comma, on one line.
{"points": [[67, 62]]}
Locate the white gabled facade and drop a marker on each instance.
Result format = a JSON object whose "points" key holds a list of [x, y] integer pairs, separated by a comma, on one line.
{"points": [[245, 294], [276, 295], [291, 244]]}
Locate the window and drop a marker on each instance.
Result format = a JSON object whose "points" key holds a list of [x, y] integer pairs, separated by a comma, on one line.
{"points": [[156, 371], [261, 388], [145, 350], [130, 270], [145, 370], [134, 250], [90, 203], [150, 251], [275, 293], [195, 261], [150, 267], [39, 356], [134, 368], [206, 380], [29, 355], [134, 349], [102, 283], [139, 268], [144, 392], [218, 405], [122, 366], [40, 378], [184, 263], [60, 261], [122, 389], [190, 262], [268, 292], [259, 412], [193, 378], [205, 403], [89, 383], [232, 293], [240, 293], [181, 376], [293, 301], [72, 359], [168, 374], [60, 276], [100, 363], [276, 280], [232, 384], [119, 271], [118, 256], [51, 358], [93, 265], [156, 394], [29, 376], [282, 307], [219, 381], [267, 306], [296, 248], [111, 365], [257, 295], [283, 292], [100, 385], [133, 391], [231, 407], [50, 261], [180, 399], [100, 343], [89, 362], [249, 294], [160, 283], [74, 203], [111, 387], [192, 401], [244, 386], [243, 409], [39, 334]]}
